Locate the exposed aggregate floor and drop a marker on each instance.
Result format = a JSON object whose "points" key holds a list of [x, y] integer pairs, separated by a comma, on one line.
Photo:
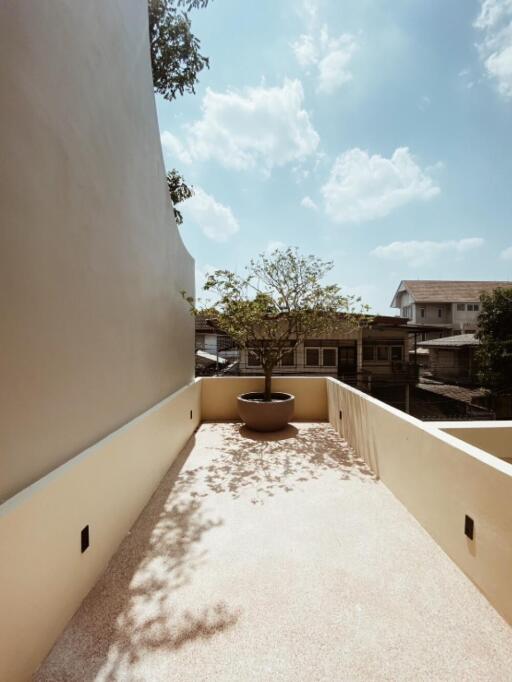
{"points": [[279, 558]]}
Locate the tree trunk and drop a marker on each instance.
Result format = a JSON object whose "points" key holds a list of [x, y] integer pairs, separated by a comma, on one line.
{"points": [[268, 385]]}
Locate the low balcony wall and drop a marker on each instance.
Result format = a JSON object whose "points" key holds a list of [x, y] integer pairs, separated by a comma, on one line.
{"points": [[494, 437], [439, 479], [43, 574], [219, 394]]}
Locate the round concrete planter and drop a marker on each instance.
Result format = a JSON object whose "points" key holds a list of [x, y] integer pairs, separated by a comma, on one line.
{"points": [[260, 415]]}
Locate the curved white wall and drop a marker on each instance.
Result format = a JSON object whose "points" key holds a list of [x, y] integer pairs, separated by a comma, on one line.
{"points": [[93, 327]]}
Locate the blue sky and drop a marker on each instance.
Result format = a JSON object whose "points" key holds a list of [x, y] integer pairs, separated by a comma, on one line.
{"points": [[374, 134]]}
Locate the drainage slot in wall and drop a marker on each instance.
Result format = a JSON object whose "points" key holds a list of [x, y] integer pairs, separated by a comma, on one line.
{"points": [[84, 538], [469, 527]]}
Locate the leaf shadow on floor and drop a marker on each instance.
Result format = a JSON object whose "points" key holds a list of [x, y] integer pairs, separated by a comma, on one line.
{"points": [[265, 464], [133, 610], [136, 607]]}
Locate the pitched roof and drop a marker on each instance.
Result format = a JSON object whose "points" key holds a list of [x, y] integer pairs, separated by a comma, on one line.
{"points": [[457, 341], [446, 291]]}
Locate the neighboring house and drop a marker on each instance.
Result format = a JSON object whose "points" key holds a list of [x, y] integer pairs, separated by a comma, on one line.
{"points": [[215, 350], [452, 358], [445, 307], [373, 358]]}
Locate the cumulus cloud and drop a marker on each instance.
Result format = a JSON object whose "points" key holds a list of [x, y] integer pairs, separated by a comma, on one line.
{"points": [[265, 126], [417, 253], [506, 254], [361, 187], [174, 148], [331, 57], [305, 50], [495, 24], [214, 219], [307, 202]]}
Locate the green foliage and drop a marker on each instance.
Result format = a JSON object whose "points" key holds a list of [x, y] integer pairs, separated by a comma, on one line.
{"points": [[494, 354], [175, 57], [178, 190], [278, 303]]}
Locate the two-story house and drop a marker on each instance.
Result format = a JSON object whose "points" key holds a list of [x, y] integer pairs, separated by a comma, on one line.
{"points": [[373, 357], [444, 307]]}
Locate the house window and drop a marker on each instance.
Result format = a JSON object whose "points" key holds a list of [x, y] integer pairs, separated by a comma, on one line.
{"points": [[422, 312], [312, 357], [253, 359], [439, 312], [329, 357], [368, 352], [383, 353], [288, 359], [461, 306], [396, 353], [474, 307]]}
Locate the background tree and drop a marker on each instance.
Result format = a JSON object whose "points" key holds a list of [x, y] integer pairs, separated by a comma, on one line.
{"points": [[494, 355], [175, 57], [178, 190], [277, 304], [176, 63]]}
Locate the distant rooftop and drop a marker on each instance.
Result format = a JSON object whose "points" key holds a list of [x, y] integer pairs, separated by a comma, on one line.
{"points": [[442, 291], [457, 341]]}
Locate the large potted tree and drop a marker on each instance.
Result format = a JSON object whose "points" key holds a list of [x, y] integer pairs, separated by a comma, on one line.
{"points": [[280, 301]]}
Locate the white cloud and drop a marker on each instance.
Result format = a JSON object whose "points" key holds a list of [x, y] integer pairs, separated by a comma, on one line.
{"points": [[330, 56], [307, 10], [174, 148], [305, 50], [308, 202], [362, 187], [334, 66], [506, 254], [275, 246], [215, 220], [495, 24], [417, 253], [260, 125]]}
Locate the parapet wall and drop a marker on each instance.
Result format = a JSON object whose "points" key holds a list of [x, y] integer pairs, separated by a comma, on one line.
{"points": [[440, 480], [44, 576]]}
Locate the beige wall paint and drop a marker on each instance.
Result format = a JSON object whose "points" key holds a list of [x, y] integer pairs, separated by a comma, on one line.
{"points": [[493, 437], [219, 395], [46, 577], [439, 479], [94, 329]]}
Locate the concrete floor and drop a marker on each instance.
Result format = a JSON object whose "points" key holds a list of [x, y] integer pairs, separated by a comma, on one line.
{"points": [[279, 559]]}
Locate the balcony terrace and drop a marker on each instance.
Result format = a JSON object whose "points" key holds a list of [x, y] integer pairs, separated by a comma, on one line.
{"points": [[279, 556], [285, 556]]}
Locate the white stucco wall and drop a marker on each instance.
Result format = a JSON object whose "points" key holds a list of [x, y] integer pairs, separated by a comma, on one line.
{"points": [[94, 329]]}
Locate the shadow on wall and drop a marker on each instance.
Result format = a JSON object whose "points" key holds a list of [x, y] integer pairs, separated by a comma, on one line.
{"points": [[130, 611], [356, 427]]}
